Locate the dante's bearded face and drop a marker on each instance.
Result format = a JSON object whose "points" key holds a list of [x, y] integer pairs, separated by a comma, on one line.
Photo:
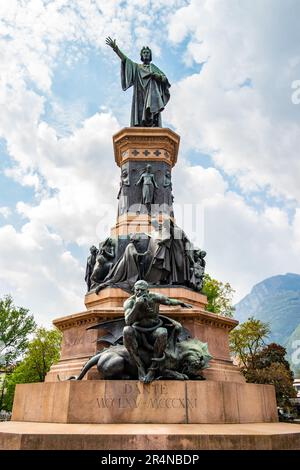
{"points": [[146, 55]]}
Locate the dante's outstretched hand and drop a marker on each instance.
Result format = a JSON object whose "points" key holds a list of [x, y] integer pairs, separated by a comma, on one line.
{"points": [[111, 42]]}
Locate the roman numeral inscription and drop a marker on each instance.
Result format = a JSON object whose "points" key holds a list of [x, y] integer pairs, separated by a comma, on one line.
{"points": [[152, 396]]}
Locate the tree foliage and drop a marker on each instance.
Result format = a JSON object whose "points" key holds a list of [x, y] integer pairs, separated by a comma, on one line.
{"points": [[15, 326], [261, 363], [42, 352], [278, 374], [219, 296], [269, 354], [247, 339]]}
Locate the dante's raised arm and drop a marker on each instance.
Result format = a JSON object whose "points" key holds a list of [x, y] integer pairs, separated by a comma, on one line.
{"points": [[112, 43]]}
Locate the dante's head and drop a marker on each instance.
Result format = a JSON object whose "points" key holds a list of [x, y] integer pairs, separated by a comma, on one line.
{"points": [[93, 250], [148, 168], [146, 54]]}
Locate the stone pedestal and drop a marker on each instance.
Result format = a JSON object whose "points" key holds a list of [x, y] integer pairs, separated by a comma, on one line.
{"points": [[80, 343], [164, 402]]}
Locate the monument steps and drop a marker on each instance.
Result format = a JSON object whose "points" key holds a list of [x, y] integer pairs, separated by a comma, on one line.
{"points": [[52, 436]]}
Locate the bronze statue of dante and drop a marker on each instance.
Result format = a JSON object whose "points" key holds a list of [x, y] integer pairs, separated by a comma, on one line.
{"points": [[150, 87]]}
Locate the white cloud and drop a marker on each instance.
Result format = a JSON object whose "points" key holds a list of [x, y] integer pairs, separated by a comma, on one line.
{"points": [[69, 164], [5, 211], [252, 132], [244, 245], [81, 170], [199, 183], [38, 271]]}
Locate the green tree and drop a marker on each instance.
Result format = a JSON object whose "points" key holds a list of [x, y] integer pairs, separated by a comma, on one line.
{"points": [[247, 339], [16, 324], [279, 376], [261, 363], [219, 296], [269, 354], [42, 352], [271, 367]]}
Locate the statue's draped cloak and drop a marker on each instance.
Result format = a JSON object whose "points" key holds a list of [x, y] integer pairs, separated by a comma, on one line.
{"points": [[125, 272], [149, 95], [160, 266]]}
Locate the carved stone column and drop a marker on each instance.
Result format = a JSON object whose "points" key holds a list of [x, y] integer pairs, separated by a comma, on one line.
{"points": [[134, 148]]}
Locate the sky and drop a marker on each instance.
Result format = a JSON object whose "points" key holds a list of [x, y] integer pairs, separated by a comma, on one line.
{"points": [[234, 67]]}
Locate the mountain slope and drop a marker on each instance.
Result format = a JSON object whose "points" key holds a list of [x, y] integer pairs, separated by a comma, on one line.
{"points": [[275, 300], [293, 350]]}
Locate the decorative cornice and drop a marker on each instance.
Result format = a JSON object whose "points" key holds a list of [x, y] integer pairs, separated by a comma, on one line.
{"points": [[96, 315], [88, 317], [217, 322], [143, 143]]}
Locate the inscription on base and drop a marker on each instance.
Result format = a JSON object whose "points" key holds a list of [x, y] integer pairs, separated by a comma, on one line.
{"points": [[153, 396]]}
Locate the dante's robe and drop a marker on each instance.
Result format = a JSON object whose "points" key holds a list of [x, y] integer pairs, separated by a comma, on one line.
{"points": [[149, 96]]}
